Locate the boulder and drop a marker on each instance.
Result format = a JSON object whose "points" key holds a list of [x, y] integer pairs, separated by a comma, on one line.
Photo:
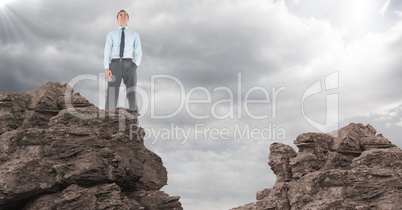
{"points": [[352, 168], [58, 151]]}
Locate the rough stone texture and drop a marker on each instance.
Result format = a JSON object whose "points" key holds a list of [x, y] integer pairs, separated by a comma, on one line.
{"points": [[352, 168], [279, 158], [64, 153]]}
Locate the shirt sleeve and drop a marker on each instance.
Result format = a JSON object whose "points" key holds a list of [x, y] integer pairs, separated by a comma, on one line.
{"points": [[137, 50], [108, 51]]}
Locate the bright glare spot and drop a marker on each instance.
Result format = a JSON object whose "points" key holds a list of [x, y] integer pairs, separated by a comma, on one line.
{"points": [[360, 11], [4, 2], [360, 15]]}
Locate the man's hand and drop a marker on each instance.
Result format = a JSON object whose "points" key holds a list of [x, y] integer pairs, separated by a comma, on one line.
{"points": [[109, 75]]}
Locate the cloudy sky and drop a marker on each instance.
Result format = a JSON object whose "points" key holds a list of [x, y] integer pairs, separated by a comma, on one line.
{"points": [[221, 80]]}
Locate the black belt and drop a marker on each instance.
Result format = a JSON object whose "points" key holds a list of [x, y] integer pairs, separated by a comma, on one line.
{"points": [[121, 59]]}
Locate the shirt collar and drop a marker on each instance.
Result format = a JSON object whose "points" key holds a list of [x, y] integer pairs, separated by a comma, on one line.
{"points": [[122, 27]]}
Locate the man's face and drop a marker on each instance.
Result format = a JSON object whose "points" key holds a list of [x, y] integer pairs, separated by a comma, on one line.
{"points": [[122, 19]]}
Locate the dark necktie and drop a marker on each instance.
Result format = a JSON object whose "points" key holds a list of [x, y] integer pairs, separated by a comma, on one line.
{"points": [[122, 43]]}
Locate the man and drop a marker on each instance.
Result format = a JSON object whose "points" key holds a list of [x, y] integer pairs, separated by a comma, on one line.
{"points": [[122, 56]]}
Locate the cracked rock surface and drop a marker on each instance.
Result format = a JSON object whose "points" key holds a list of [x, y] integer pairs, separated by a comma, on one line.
{"points": [[58, 151], [352, 168]]}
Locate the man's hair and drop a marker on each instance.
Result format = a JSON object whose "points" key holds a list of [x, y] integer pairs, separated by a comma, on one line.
{"points": [[121, 12]]}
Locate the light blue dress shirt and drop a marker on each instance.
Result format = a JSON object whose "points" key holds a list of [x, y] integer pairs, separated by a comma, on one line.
{"points": [[132, 46]]}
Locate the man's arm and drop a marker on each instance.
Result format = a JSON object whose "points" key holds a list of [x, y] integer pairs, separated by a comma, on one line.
{"points": [[107, 51], [106, 56], [137, 50]]}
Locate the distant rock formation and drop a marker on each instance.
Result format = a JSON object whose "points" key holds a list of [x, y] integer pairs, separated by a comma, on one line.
{"points": [[54, 158], [352, 168]]}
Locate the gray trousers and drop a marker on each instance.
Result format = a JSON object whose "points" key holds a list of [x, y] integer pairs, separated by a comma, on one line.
{"points": [[126, 70]]}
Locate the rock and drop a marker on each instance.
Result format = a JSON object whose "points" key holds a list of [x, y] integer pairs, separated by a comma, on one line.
{"points": [[352, 168], [12, 110], [57, 153], [250, 206], [104, 196], [155, 200], [263, 193], [279, 158], [313, 152], [349, 137], [277, 198]]}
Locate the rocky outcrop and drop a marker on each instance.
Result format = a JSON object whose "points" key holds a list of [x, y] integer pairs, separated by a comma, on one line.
{"points": [[58, 151], [352, 168]]}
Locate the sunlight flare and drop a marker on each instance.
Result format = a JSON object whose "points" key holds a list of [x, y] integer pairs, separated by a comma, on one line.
{"points": [[3, 3]]}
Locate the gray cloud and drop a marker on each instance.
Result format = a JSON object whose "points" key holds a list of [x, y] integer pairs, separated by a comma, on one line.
{"points": [[206, 44]]}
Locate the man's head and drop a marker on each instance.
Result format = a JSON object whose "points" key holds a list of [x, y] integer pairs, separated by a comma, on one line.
{"points": [[122, 18]]}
